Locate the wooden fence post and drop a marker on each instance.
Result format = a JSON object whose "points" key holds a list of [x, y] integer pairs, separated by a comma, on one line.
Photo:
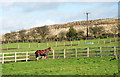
{"points": [[29, 45], [26, 56], [3, 58], [64, 54], [104, 42], [115, 53], [75, 52], [114, 50], [88, 52], [100, 51], [47, 44], [115, 40], [38, 45], [78, 42], [71, 43], [18, 46], [56, 44], [64, 43], [53, 55], [15, 56], [7, 47], [98, 42], [110, 41]]}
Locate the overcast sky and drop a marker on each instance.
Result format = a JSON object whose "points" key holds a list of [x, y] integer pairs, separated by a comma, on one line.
{"points": [[15, 16]]}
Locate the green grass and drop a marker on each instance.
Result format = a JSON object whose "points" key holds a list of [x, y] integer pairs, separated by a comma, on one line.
{"points": [[34, 46], [24, 47], [69, 66]]}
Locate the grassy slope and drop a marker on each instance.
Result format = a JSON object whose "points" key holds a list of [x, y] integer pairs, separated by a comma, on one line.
{"points": [[70, 66]]}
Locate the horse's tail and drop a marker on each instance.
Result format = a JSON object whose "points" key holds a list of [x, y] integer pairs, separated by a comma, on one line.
{"points": [[36, 52]]}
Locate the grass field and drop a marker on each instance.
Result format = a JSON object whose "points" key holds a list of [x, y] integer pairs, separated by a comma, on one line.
{"points": [[70, 66], [23, 47]]}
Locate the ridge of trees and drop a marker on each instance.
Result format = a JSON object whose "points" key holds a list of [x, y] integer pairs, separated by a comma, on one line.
{"points": [[40, 35]]}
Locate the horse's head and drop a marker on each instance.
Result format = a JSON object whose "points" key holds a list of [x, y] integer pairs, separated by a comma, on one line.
{"points": [[50, 49]]}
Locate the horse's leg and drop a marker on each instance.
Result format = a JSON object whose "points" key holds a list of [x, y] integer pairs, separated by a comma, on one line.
{"points": [[37, 58], [42, 57], [45, 57]]}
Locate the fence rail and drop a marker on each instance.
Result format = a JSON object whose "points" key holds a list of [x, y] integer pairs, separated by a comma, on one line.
{"points": [[64, 53], [57, 44]]}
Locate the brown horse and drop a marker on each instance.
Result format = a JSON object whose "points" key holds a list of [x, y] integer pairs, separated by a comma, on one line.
{"points": [[42, 52]]}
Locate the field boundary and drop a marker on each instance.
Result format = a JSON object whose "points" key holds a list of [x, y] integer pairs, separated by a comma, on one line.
{"points": [[63, 53], [57, 44]]}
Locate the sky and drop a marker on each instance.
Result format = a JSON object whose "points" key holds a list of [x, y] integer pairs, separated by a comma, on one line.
{"points": [[15, 16]]}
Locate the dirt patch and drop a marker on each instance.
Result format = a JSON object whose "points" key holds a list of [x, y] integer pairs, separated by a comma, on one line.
{"points": [[69, 45], [9, 49]]}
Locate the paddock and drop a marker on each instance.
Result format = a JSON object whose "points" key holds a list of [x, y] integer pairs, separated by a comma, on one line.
{"points": [[83, 57], [63, 53], [68, 66]]}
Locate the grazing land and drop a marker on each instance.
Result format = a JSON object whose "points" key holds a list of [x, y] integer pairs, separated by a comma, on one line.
{"points": [[24, 47], [70, 66]]}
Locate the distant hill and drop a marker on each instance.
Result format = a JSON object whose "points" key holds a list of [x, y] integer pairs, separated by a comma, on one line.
{"points": [[110, 25]]}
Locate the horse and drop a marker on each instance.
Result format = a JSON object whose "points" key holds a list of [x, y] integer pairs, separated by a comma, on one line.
{"points": [[42, 52]]}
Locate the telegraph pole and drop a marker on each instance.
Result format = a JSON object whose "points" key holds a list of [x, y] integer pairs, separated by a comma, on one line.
{"points": [[87, 22]]}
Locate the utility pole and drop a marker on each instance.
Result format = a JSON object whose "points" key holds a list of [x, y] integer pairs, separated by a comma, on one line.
{"points": [[87, 22]]}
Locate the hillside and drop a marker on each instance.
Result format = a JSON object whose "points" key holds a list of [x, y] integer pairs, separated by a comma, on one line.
{"points": [[110, 26]]}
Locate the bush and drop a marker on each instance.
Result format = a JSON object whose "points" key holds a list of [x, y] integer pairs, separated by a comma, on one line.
{"points": [[72, 34]]}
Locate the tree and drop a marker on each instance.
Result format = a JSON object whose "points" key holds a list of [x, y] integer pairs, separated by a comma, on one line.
{"points": [[33, 35], [22, 35], [96, 31], [62, 35], [80, 34], [72, 34], [7, 37], [43, 32], [114, 30], [13, 36]]}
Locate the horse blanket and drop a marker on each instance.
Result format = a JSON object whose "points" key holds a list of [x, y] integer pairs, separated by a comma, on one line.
{"points": [[42, 52]]}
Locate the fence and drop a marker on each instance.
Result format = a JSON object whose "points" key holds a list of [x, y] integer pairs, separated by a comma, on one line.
{"points": [[16, 56], [85, 52], [64, 53], [30, 47]]}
